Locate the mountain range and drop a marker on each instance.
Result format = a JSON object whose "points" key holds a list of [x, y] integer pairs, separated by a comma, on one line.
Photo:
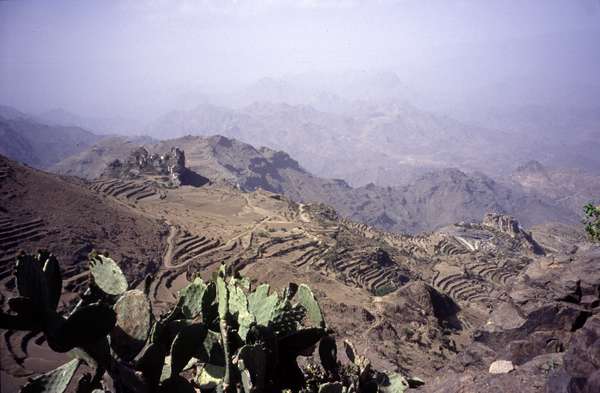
{"points": [[431, 200], [443, 306], [427, 197]]}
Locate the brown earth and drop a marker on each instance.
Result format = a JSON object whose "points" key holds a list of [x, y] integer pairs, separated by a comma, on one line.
{"points": [[40, 210], [441, 306]]}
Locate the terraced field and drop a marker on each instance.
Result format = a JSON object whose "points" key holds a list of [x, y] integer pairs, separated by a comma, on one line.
{"points": [[132, 190], [22, 347], [4, 172], [13, 234], [460, 286], [188, 246], [478, 261]]}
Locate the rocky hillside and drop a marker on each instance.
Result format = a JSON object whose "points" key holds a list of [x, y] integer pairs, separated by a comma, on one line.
{"points": [[467, 307], [24, 139], [569, 188], [91, 162], [430, 201], [42, 210]]}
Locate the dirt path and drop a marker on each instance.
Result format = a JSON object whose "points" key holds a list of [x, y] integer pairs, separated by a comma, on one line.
{"points": [[168, 258]]}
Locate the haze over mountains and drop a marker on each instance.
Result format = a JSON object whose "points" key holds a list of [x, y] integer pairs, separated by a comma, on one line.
{"points": [[425, 199], [421, 165]]}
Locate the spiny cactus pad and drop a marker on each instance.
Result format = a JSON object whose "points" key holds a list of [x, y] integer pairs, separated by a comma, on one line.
{"points": [[210, 376], [176, 384], [331, 387], [134, 321], [262, 305], [55, 381], [253, 359], [396, 384], [107, 275], [53, 280], [86, 325], [222, 297], [238, 307], [307, 300], [31, 281], [286, 318], [191, 298], [187, 344]]}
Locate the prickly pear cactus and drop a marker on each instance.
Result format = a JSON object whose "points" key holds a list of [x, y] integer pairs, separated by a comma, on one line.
{"points": [[210, 376], [189, 343], [107, 275], [287, 318], [262, 305], [396, 383], [223, 297], [52, 276], [238, 308], [244, 339], [55, 381], [328, 354], [31, 281], [84, 326], [252, 363], [331, 387], [191, 298], [134, 321], [307, 300]]}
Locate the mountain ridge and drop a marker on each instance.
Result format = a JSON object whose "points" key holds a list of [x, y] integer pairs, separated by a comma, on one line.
{"points": [[430, 201]]}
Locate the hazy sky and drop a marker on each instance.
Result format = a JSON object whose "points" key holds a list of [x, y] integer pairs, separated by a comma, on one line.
{"points": [[134, 58]]}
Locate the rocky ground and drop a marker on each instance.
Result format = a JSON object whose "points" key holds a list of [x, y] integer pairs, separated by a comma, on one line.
{"points": [[473, 307]]}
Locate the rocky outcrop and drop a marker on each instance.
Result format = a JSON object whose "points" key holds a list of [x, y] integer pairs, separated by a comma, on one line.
{"points": [[509, 225], [581, 365], [502, 223], [547, 326], [170, 167]]}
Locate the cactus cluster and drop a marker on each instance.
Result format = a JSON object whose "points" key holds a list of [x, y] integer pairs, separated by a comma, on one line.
{"points": [[221, 336]]}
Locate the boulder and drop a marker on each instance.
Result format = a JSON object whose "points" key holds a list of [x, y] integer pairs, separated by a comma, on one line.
{"points": [[501, 367]]}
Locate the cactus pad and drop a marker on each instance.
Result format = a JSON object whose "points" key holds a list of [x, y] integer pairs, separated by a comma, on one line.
{"points": [[328, 354], [187, 344], [302, 342], [191, 298], [55, 381], [307, 300], [396, 383], [331, 387], [107, 275], [31, 281], [53, 280], [286, 318], [262, 305], [238, 307], [134, 320], [210, 376], [176, 384], [86, 325], [253, 359]]}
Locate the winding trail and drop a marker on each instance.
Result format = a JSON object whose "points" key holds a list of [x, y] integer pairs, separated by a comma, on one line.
{"points": [[168, 258]]}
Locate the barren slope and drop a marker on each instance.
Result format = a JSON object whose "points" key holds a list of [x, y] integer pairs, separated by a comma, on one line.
{"points": [[431, 200], [427, 305], [41, 210]]}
